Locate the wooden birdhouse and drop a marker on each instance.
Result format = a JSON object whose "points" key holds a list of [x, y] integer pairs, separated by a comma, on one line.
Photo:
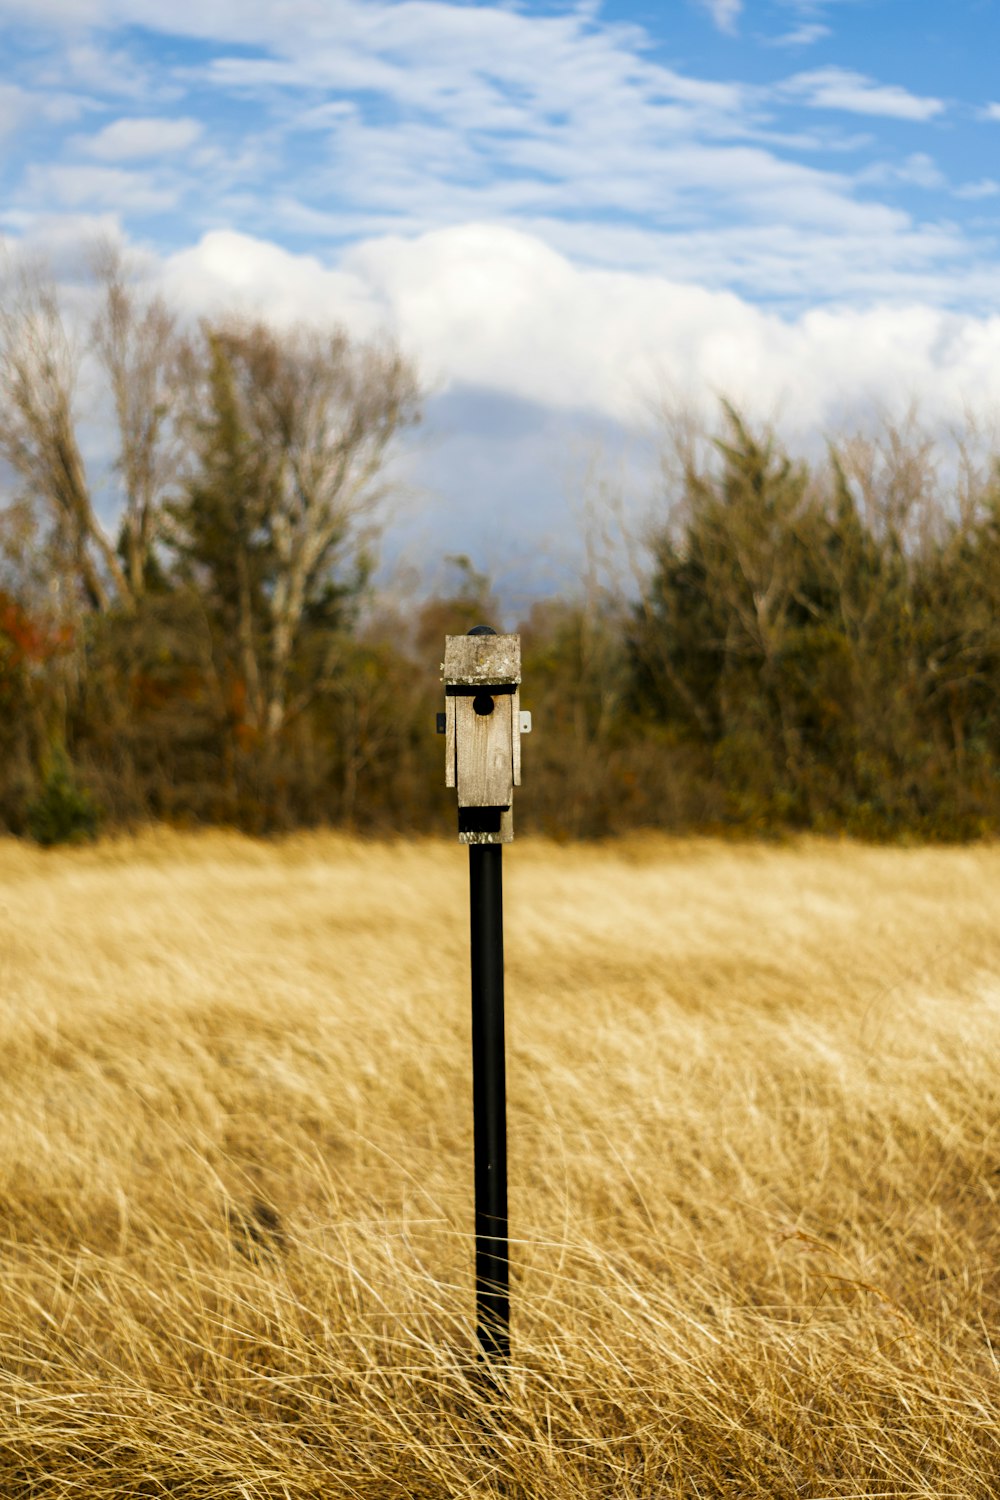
{"points": [[483, 724]]}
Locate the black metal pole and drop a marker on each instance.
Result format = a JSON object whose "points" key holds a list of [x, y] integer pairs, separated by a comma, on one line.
{"points": [[489, 1100]]}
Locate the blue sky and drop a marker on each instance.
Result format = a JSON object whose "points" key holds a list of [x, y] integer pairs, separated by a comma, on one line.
{"points": [[562, 211]]}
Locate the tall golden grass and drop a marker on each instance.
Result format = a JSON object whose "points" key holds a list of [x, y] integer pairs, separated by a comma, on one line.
{"points": [[755, 1164]]}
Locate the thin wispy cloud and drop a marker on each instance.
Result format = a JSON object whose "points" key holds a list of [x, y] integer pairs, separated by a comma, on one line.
{"points": [[106, 187], [919, 169], [725, 14], [133, 139], [986, 187], [13, 106], [805, 35], [426, 113], [840, 89]]}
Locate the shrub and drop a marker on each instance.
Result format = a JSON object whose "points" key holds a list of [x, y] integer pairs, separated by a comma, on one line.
{"points": [[63, 812]]}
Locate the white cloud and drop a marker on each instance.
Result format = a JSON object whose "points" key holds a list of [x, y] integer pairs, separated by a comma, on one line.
{"points": [[490, 69], [132, 139], [990, 112], [107, 70], [918, 169], [495, 308], [787, 264], [425, 176], [369, 117], [227, 271], [839, 88], [19, 104], [13, 106], [99, 187], [569, 117], [58, 12], [984, 188], [725, 13], [806, 35]]}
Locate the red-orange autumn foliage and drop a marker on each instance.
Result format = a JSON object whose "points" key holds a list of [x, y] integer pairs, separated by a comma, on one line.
{"points": [[27, 640]]}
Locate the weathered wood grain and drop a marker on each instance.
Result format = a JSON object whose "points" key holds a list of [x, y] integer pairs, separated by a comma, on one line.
{"points": [[473, 659], [484, 752], [449, 741]]}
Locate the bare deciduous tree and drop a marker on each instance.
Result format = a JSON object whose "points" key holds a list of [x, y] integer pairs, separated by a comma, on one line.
{"points": [[335, 409], [136, 341], [297, 439], [39, 366], [40, 359]]}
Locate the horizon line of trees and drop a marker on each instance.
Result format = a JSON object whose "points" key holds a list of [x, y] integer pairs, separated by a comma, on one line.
{"points": [[797, 645]]}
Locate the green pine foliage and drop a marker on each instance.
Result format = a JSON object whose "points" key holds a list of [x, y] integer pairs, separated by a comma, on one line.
{"points": [[827, 642], [63, 812]]}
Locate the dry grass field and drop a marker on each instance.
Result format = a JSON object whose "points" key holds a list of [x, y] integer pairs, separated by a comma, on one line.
{"points": [[755, 1162]]}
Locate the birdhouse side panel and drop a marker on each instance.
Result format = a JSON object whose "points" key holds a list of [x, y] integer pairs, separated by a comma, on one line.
{"points": [[515, 730], [449, 741]]}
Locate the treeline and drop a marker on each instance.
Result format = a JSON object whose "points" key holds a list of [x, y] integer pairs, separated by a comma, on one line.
{"points": [[798, 646]]}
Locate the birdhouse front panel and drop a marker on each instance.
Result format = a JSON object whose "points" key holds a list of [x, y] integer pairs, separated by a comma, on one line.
{"points": [[484, 742]]}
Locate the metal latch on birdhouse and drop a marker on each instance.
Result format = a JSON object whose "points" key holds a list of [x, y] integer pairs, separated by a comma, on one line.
{"points": [[483, 724]]}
